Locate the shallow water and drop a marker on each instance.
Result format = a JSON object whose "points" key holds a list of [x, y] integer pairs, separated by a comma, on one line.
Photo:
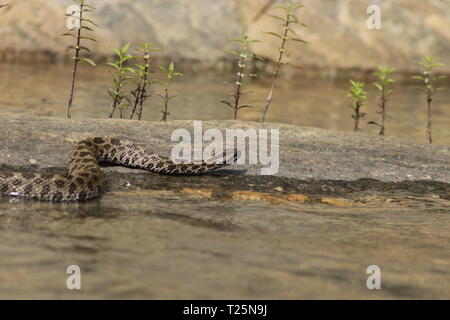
{"points": [[174, 244], [43, 90]]}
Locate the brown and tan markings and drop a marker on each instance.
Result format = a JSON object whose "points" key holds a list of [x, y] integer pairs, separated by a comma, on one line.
{"points": [[84, 178]]}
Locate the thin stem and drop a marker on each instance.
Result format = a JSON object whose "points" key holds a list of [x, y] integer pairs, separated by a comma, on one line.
{"points": [[383, 113], [141, 103], [116, 101], [277, 70], [75, 65], [166, 104], [429, 99], [136, 94], [142, 93], [118, 97], [357, 116], [237, 95], [121, 111], [139, 93], [113, 107]]}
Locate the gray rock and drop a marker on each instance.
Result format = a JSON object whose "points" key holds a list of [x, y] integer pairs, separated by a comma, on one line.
{"points": [[305, 153]]}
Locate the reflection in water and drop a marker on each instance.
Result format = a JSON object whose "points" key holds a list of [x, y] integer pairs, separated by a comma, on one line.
{"points": [[163, 246], [322, 103]]}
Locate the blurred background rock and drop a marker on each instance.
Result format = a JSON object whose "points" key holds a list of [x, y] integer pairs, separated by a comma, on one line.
{"points": [[199, 31]]}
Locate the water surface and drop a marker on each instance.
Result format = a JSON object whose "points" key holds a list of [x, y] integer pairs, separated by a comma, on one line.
{"points": [[317, 102]]}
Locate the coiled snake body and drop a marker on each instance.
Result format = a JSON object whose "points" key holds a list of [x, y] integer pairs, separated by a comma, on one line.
{"points": [[84, 179]]}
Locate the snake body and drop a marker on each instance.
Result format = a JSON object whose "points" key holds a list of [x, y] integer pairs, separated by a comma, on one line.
{"points": [[84, 178]]}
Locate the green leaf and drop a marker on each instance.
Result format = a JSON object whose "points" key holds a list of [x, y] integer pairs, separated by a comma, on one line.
{"points": [[125, 48], [245, 106], [113, 92], [237, 40], [235, 53], [140, 66], [84, 48], [227, 103], [89, 61], [296, 6], [298, 40], [87, 28], [281, 7], [88, 38], [274, 34], [378, 86], [291, 30], [129, 70], [114, 65], [67, 34], [277, 17]]}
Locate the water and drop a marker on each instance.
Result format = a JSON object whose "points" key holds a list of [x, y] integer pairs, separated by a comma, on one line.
{"points": [[318, 102], [160, 244]]}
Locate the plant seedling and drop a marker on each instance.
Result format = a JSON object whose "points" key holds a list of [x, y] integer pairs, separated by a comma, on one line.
{"points": [[243, 58], [143, 71], [287, 20], [76, 33], [170, 74], [384, 85], [429, 88], [120, 76], [358, 95]]}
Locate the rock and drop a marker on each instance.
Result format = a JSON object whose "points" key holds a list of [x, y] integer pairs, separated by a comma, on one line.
{"points": [[205, 193], [300, 198], [304, 153], [184, 29], [338, 36], [257, 196], [336, 202], [200, 30]]}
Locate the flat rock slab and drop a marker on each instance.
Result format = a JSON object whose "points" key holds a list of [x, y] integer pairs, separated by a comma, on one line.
{"points": [[305, 153], [311, 231]]}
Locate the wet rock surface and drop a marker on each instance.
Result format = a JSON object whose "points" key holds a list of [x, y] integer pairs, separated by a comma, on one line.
{"points": [[232, 234]]}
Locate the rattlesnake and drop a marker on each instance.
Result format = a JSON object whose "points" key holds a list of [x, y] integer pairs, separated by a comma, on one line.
{"points": [[84, 178]]}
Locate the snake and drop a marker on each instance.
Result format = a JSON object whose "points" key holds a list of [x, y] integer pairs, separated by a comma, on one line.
{"points": [[84, 178]]}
